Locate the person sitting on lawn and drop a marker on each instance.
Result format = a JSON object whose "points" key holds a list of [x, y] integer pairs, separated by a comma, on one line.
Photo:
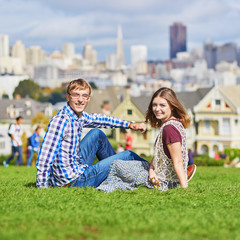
{"points": [[66, 160], [168, 168]]}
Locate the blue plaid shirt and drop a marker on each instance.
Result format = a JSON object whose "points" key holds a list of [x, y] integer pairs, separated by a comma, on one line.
{"points": [[59, 160]]}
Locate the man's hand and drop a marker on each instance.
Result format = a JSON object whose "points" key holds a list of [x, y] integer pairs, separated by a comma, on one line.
{"points": [[137, 126]]}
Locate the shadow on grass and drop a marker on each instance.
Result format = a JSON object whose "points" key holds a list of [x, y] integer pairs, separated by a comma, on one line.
{"points": [[31, 185]]}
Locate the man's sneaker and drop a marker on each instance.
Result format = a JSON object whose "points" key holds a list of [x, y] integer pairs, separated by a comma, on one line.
{"points": [[191, 171], [5, 164]]}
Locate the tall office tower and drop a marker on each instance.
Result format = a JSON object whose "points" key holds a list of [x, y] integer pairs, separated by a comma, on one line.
{"points": [[215, 54], [111, 62], [227, 52], [138, 54], [178, 39], [35, 55], [209, 53], [90, 54], [119, 50], [68, 49], [4, 45], [19, 51], [238, 60]]}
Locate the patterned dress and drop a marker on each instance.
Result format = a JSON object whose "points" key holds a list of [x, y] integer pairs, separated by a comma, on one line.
{"points": [[163, 164], [127, 175]]}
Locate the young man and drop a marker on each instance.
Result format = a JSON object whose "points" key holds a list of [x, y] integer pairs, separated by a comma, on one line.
{"points": [[65, 159], [15, 132]]}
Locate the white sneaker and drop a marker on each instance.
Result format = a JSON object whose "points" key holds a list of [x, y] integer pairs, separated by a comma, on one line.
{"points": [[5, 164]]}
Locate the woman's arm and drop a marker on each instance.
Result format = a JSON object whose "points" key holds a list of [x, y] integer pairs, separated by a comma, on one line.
{"points": [[176, 156], [152, 177]]}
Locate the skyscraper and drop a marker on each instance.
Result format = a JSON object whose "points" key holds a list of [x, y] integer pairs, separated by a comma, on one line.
{"points": [[68, 49], [120, 51], [90, 54], [35, 55], [4, 45], [138, 53], [19, 51], [178, 39], [214, 54]]}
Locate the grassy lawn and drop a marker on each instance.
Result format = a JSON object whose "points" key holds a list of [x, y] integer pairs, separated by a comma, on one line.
{"points": [[208, 209]]}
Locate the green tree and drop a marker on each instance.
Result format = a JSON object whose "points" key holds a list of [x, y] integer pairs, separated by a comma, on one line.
{"points": [[40, 119], [27, 88], [93, 85], [5, 96], [43, 97], [57, 96]]}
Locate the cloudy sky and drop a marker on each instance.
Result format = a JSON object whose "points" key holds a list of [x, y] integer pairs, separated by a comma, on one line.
{"points": [[49, 23]]}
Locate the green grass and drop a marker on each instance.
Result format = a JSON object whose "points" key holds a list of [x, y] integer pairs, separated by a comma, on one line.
{"points": [[208, 209]]}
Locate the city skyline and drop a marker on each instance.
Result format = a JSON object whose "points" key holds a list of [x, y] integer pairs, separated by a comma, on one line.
{"points": [[51, 23]]}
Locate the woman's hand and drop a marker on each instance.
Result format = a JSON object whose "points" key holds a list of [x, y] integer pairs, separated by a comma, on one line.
{"points": [[152, 177]]}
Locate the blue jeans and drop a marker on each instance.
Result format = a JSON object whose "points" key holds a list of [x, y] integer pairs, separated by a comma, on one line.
{"points": [[95, 143], [31, 153], [15, 150]]}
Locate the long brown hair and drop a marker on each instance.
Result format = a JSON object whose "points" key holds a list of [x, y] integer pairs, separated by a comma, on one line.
{"points": [[178, 111]]}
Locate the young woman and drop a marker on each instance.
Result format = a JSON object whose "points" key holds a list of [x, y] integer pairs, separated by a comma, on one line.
{"points": [[169, 164], [168, 168]]}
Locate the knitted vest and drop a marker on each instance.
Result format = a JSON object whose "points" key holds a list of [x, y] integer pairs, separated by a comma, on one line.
{"points": [[164, 165]]}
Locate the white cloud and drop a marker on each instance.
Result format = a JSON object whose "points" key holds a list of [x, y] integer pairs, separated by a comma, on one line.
{"points": [[50, 23]]}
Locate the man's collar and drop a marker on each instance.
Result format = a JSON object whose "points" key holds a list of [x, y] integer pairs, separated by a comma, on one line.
{"points": [[71, 112]]}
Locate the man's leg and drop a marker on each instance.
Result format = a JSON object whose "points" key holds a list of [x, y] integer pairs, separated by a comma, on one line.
{"points": [[14, 150], [19, 157], [94, 175], [95, 143]]}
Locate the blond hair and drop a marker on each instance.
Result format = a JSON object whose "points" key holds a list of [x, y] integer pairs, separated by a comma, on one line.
{"points": [[79, 84]]}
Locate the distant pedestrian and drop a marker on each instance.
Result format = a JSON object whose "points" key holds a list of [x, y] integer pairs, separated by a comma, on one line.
{"points": [[191, 169], [33, 145], [129, 141], [15, 132], [120, 148]]}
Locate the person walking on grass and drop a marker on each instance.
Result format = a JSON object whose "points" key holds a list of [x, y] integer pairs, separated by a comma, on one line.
{"points": [[15, 132], [168, 168], [33, 145], [66, 160]]}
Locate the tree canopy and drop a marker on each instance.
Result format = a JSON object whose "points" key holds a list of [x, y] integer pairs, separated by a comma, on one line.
{"points": [[27, 88]]}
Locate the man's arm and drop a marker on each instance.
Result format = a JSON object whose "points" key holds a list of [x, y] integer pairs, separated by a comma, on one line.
{"points": [[49, 150], [105, 121]]}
